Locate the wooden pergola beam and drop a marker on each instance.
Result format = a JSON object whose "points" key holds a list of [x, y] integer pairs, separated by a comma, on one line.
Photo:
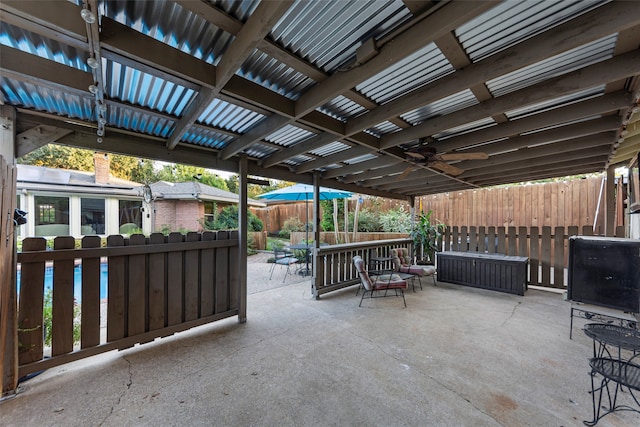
{"points": [[257, 27]]}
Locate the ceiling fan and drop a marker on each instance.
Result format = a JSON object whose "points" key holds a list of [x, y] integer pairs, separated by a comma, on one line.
{"points": [[427, 156]]}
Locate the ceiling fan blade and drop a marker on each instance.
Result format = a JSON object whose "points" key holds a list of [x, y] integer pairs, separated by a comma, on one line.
{"points": [[405, 173], [415, 154], [464, 156], [446, 168]]}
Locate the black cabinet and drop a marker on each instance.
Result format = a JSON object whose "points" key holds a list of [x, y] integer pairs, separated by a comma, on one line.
{"points": [[605, 272]]}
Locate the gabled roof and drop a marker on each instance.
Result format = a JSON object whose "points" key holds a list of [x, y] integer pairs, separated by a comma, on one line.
{"points": [[41, 178], [340, 89], [196, 191]]}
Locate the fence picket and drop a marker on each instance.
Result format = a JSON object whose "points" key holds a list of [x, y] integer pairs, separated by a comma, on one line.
{"points": [[482, 243], [207, 274], [191, 280], [137, 304], [90, 314], [522, 242], [534, 255], [234, 273], [511, 247], [493, 243], [221, 279], [157, 285], [30, 324], [175, 282], [545, 257], [558, 257], [116, 326], [63, 302]]}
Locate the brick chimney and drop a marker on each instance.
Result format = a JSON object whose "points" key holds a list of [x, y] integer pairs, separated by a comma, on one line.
{"points": [[101, 164]]}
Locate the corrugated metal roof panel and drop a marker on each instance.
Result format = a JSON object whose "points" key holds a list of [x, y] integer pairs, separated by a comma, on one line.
{"points": [[206, 137], [260, 151], [62, 103], [466, 128], [342, 108], [297, 160], [36, 44], [383, 129], [241, 10], [447, 105], [418, 69], [329, 149], [566, 62], [289, 135], [514, 21], [554, 103], [228, 116], [139, 88], [274, 75], [169, 23], [139, 121], [359, 159], [328, 33]]}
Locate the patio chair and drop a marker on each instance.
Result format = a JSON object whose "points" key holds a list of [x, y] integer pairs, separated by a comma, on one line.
{"points": [[400, 259], [379, 281], [283, 257]]}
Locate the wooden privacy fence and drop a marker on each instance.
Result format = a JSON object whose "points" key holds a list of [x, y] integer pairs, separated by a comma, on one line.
{"points": [[546, 247], [156, 286]]}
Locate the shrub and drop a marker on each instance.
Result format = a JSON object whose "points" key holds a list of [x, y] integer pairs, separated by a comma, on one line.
{"points": [[290, 225], [227, 219], [368, 221], [396, 221]]}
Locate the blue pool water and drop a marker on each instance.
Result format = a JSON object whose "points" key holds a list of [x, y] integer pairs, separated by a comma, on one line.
{"points": [[77, 281]]}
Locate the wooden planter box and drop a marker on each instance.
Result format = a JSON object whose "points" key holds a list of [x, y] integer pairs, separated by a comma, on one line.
{"points": [[496, 272]]}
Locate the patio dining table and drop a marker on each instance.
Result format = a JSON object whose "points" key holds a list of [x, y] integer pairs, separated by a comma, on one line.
{"points": [[306, 247]]}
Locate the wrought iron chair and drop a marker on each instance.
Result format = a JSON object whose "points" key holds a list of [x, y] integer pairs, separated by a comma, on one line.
{"points": [[283, 257], [400, 259], [378, 281]]}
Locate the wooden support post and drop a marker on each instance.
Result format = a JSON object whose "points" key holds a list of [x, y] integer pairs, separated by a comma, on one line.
{"points": [[610, 203], [8, 298], [243, 244], [316, 231]]}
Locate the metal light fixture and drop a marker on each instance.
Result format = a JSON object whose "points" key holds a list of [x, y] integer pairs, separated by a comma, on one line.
{"points": [[88, 16], [19, 217], [92, 62]]}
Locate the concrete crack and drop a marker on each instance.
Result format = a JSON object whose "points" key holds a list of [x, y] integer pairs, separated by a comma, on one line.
{"points": [[128, 384], [513, 312]]}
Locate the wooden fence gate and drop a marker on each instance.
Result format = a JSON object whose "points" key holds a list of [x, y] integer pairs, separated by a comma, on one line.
{"points": [[155, 287]]}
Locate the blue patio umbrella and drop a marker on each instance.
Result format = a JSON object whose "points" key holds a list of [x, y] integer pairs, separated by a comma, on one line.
{"points": [[304, 192]]}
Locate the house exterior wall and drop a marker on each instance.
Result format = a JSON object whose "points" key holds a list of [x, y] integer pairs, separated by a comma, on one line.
{"points": [[179, 214], [75, 227]]}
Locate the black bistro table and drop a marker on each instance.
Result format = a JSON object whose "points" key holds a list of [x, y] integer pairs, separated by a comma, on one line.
{"points": [[614, 367], [303, 271]]}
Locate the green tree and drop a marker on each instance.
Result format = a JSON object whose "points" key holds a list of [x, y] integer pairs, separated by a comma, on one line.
{"points": [[64, 157], [187, 173], [59, 156]]}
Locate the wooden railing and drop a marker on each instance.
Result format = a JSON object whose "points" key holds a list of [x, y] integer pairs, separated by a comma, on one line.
{"points": [[334, 266], [157, 286], [546, 247]]}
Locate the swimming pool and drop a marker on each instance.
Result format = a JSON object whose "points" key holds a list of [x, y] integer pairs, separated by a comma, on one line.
{"points": [[77, 281]]}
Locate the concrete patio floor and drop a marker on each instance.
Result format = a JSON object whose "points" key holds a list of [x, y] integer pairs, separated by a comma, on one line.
{"points": [[456, 356]]}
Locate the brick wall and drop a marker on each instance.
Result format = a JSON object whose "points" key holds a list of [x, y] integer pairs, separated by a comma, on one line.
{"points": [[179, 214], [101, 163]]}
